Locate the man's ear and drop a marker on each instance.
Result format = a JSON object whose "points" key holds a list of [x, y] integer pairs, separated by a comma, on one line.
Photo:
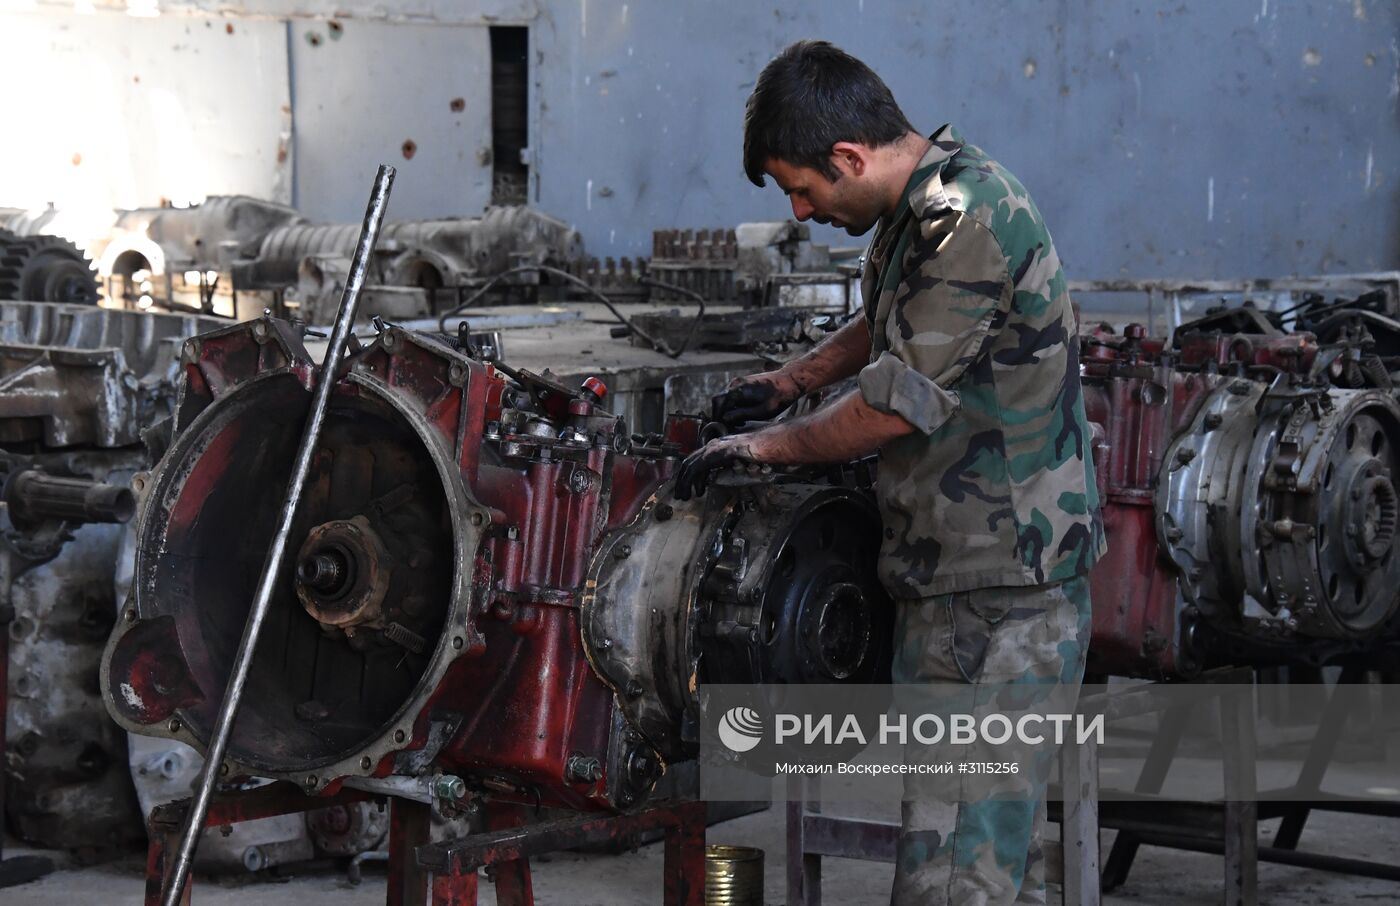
{"points": [[850, 158]]}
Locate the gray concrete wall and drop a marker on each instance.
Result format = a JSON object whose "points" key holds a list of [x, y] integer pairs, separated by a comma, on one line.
{"points": [[1193, 137]]}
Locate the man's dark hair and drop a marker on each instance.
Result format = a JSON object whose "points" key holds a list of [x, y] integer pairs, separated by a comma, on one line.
{"points": [[808, 98]]}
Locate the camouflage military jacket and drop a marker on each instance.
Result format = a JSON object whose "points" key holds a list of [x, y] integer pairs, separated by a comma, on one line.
{"points": [[974, 343]]}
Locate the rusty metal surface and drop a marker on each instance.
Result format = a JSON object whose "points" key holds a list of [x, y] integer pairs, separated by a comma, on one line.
{"points": [[66, 765], [572, 341], [86, 381], [494, 492]]}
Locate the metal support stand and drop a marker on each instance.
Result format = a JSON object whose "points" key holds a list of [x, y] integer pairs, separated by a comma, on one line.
{"points": [[1074, 863], [506, 851], [1231, 828], [234, 808], [446, 873]]}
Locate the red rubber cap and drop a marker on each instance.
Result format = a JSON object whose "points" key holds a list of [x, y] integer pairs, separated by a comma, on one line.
{"points": [[596, 388]]}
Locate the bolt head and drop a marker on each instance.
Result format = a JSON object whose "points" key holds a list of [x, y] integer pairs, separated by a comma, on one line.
{"points": [[449, 786]]}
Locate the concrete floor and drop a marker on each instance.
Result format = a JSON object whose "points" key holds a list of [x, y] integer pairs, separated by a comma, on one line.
{"points": [[1160, 877]]}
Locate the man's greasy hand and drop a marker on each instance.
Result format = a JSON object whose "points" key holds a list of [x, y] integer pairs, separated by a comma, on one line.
{"points": [[757, 396], [694, 474]]}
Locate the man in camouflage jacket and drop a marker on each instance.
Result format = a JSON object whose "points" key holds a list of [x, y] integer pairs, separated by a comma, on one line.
{"points": [[969, 388]]}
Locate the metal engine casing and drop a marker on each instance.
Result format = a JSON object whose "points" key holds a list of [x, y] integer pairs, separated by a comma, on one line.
{"points": [[1250, 503], [454, 604]]}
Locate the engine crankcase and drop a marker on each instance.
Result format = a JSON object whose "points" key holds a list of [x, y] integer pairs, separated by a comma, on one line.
{"points": [[784, 590]]}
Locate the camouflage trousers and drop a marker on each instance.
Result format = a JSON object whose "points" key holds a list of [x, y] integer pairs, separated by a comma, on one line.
{"points": [[985, 851]]}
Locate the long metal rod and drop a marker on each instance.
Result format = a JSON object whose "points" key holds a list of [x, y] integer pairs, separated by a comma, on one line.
{"points": [[228, 709]]}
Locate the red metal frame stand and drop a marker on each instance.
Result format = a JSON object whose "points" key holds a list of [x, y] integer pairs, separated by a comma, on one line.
{"points": [[503, 852], [506, 853], [234, 808]]}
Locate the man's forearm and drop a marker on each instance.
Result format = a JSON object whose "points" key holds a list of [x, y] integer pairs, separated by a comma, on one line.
{"points": [[841, 431], [839, 356]]}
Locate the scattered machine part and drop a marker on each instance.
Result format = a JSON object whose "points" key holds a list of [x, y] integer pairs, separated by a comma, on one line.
{"points": [[419, 267], [744, 329], [152, 251], [215, 233], [236, 255], [26, 222], [77, 386], [65, 763], [79, 389], [627, 327], [79, 376], [736, 265], [746, 265]]}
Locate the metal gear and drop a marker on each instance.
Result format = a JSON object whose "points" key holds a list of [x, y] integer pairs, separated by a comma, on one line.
{"points": [[45, 269]]}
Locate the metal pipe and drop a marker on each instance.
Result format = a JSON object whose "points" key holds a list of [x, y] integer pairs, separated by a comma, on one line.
{"points": [[35, 496], [228, 709]]}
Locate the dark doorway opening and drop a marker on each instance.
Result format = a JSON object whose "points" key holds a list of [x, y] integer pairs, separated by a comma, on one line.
{"points": [[510, 86]]}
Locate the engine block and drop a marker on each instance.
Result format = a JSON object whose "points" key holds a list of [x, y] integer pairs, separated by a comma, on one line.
{"points": [[491, 580], [1249, 498]]}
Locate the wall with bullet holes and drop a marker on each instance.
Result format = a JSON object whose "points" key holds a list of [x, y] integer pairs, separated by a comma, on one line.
{"points": [[1191, 138]]}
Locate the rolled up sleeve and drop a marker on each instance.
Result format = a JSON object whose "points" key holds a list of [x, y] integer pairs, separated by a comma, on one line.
{"points": [[892, 387], [953, 299]]}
